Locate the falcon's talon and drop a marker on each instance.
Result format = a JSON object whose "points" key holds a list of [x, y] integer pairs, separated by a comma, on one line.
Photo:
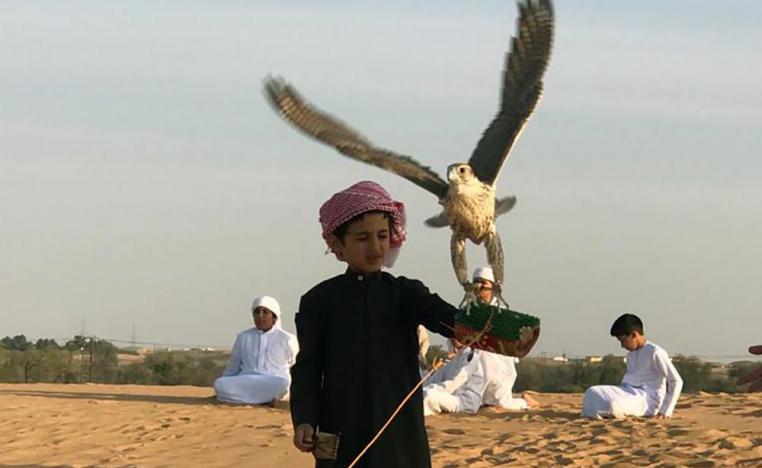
{"points": [[469, 300]]}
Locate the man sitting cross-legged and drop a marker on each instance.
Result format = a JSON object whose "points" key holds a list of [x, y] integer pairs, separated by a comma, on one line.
{"points": [[258, 369]]}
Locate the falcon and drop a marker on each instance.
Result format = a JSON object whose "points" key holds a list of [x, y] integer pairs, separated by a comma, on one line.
{"points": [[468, 196]]}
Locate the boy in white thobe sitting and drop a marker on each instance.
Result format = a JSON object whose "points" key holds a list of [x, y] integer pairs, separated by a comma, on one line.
{"points": [[651, 385], [258, 369], [458, 386]]}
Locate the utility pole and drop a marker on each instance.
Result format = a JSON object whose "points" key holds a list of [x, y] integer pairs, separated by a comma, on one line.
{"points": [[92, 353], [134, 338], [81, 363]]}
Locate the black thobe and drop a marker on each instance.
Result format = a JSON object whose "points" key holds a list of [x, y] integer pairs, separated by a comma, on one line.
{"points": [[357, 360]]}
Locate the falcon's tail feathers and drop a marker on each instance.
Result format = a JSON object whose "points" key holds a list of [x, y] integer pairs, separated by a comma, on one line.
{"points": [[504, 205], [438, 221]]}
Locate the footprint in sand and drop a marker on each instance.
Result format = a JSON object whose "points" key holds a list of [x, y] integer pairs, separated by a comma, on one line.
{"points": [[540, 443], [622, 424], [677, 431], [666, 459], [685, 444], [709, 453], [750, 462], [269, 426], [701, 464], [736, 443], [454, 431], [528, 449], [711, 435], [501, 461]]}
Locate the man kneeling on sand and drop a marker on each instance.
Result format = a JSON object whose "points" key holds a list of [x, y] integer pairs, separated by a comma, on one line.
{"points": [[472, 379], [258, 369], [458, 386], [651, 385]]}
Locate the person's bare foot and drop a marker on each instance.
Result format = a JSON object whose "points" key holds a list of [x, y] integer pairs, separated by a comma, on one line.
{"points": [[280, 404], [531, 402]]}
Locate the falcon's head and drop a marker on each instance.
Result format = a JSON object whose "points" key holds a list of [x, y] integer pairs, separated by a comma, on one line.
{"points": [[461, 174]]}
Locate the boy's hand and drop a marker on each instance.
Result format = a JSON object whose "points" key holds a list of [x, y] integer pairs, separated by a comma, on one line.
{"points": [[304, 437]]}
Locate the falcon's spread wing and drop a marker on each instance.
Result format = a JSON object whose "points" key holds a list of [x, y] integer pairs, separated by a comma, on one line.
{"points": [[347, 141], [522, 87]]}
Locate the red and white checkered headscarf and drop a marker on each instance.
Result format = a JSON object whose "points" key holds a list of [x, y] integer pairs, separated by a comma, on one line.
{"points": [[360, 198]]}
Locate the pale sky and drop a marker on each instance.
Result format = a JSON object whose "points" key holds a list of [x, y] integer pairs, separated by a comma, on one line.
{"points": [[144, 179]]}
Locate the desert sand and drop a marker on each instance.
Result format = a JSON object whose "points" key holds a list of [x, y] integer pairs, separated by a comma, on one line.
{"points": [[147, 426]]}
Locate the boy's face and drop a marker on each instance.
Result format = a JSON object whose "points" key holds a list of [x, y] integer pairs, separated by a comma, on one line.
{"points": [[630, 341], [365, 244], [264, 319], [483, 288]]}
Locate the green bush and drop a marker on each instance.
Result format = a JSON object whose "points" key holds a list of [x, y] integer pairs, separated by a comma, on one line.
{"points": [[174, 368]]}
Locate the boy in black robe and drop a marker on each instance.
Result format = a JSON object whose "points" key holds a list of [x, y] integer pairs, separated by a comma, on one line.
{"points": [[358, 341]]}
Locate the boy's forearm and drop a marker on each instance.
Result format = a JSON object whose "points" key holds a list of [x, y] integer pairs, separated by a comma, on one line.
{"points": [[674, 388], [233, 366]]}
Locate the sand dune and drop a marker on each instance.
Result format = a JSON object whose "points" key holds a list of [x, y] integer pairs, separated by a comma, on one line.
{"points": [[108, 425]]}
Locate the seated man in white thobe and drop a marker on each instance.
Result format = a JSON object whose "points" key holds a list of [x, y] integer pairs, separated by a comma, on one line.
{"points": [[456, 387], [651, 385], [258, 369], [499, 371]]}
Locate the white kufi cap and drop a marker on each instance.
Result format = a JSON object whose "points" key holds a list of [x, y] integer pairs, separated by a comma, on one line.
{"points": [[484, 273]]}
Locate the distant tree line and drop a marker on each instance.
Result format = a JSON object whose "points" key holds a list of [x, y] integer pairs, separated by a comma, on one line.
{"points": [[89, 359], [79, 359], [577, 375], [197, 368]]}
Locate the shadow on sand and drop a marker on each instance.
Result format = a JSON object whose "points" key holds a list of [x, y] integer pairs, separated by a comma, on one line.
{"points": [[36, 466], [208, 400], [549, 414]]}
